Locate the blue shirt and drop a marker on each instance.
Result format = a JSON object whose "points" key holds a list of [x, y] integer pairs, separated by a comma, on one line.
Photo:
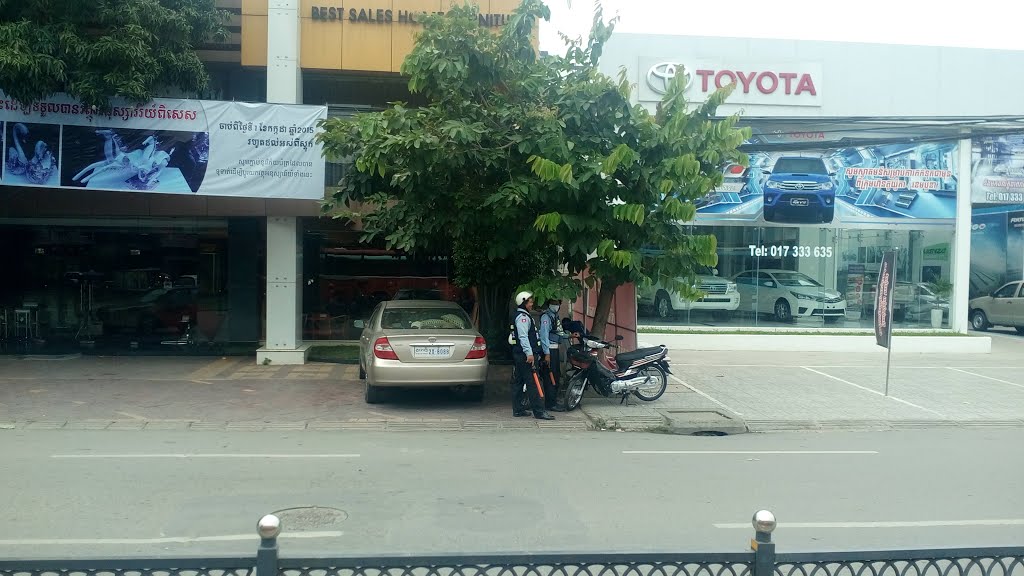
{"points": [[523, 323], [548, 332]]}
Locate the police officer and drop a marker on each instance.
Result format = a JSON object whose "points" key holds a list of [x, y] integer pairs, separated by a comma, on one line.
{"points": [[525, 344], [550, 339]]}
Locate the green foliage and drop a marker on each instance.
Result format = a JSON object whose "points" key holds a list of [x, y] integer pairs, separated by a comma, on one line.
{"points": [[515, 156], [95, 50]]}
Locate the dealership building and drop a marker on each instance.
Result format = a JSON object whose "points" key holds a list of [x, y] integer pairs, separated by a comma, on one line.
{"points": [[195, 223], [856, 150]]}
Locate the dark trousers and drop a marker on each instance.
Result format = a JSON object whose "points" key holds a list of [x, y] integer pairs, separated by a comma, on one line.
{"points": [[528, 377], [552, 376]]}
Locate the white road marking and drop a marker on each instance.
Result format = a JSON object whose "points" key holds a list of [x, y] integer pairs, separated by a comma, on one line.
{"points": [[866, 389], [749, 452], [79, 456], [911, 524], [166, 540], [986, 377], [130, 415], [736, 412]]}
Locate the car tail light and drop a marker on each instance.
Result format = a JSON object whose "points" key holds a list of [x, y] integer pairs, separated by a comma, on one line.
{"points": [[479, 349], [736, 169], [382, 349]]}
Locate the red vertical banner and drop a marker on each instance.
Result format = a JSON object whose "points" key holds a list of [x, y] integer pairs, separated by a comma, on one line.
{"points": [[883, 299]]}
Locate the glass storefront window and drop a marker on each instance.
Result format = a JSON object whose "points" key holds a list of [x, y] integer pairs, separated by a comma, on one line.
{"points": [[136, 284], [810, 277]]}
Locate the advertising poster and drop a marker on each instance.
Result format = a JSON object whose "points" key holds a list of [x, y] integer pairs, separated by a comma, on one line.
{"points": [[165, 147], [854, 291], [997, 248], [882, 184], [883, 300], [997, 171]]}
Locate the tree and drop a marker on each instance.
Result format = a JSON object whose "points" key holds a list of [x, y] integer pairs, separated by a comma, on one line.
{"points": [[619, 181], [520, 166], [449, 177], [95, 50]]}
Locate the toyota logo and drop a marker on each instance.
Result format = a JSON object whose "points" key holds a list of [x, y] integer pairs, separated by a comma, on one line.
{"points": [[660, 75]]}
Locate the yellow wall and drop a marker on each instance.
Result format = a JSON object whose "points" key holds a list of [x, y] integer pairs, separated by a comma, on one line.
{"points": [[334, 42]]}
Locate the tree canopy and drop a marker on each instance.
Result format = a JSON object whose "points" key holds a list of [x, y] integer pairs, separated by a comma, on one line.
{"points": [[95, 50], [529, 170]]}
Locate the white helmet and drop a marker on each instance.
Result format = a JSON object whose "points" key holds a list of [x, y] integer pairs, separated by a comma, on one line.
{"points": [[522, 297]]}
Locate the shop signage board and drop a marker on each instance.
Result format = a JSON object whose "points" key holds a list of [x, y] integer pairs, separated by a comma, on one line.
{"points": [[997, 247], [998, 170], [887, 184], [169, 146], [757, 83]]}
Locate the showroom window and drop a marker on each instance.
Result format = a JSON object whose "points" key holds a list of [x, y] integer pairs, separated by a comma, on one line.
{"points": [[811, 277]]}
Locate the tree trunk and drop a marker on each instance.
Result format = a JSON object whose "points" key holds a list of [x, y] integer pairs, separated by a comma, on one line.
{"points": [[494, 320], [604, 306]]}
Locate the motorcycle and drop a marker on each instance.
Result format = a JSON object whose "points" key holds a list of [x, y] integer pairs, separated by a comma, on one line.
{"points": [[642, 373]]}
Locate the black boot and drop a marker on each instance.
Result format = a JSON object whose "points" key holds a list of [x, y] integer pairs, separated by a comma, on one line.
{"points": [[543, 416]]}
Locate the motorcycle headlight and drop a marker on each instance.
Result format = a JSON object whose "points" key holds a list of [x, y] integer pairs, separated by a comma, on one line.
{"points": [[730, 287], [826, 186], [800, 296]]}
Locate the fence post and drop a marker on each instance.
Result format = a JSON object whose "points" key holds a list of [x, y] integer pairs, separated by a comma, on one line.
{"points": [[269, 527], [762, 545]]}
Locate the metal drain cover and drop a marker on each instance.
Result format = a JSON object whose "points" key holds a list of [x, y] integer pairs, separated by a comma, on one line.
{"points": [[310, 518]]}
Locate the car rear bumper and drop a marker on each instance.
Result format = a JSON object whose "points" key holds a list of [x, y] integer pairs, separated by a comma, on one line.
{"points": [[393, 373]]}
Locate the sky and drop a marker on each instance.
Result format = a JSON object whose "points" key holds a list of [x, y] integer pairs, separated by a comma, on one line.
{"points": [[968, 23]]}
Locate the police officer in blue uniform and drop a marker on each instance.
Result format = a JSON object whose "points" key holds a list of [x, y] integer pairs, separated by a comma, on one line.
{"points": [[525, 348], [550, 340]]}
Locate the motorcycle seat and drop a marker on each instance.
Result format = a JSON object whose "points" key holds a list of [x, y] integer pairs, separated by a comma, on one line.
{"points": [[627, 358]]}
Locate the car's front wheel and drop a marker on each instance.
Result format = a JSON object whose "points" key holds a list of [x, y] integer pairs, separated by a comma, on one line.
{"points": [[783, 312], [979, 321], [362, 372]]}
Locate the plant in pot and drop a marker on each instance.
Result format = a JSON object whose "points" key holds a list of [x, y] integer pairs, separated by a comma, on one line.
{"points": [[942, 289]]}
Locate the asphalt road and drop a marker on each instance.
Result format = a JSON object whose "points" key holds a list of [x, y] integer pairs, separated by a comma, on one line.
{"points": [[107, 493]]}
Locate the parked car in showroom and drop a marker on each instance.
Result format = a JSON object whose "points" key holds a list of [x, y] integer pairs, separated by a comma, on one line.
{"points": [[158, 311], [720, 297], [799, 189], [421, 343], [1003, 307], [787, 295]]}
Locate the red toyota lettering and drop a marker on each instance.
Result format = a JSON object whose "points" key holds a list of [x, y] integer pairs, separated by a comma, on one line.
{"points": [[788, 77], [704, 75], [722, 74], [745, 80], [806, 85], [767, 89]]}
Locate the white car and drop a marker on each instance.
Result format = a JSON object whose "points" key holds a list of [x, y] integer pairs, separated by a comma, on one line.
{"points": [[720, 297], [787, 295]]}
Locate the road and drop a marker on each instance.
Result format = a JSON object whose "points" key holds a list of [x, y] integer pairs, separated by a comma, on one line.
{"points": [[96, 493]]}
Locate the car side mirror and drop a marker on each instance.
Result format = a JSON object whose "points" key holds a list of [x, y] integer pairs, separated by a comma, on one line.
{"points": [[714, 271], [358, 324]]}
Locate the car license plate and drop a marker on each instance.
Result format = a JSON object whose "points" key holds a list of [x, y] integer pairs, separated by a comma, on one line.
{"points": [[798, 202], [424, 352]]}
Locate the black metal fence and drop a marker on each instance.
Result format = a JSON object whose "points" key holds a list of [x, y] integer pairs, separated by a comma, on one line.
{"points": [[761, 560]]}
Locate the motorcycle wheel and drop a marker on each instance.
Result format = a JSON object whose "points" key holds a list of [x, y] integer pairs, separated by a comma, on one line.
{"points": [[574, 393], [657, 386]]}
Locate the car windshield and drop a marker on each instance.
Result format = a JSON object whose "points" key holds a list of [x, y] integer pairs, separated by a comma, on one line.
{"points": [[425, 318], [796, 279], [800, 166]]}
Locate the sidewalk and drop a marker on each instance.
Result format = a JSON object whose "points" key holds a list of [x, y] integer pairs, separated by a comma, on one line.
{"points": [[710, 392], [179, 393], [735, 391]]}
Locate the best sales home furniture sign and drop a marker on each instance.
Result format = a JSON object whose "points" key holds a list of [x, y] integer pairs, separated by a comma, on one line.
{"points": [[168, 146]]}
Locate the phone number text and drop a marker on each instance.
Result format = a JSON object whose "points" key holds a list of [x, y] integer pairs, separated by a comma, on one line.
{"points": [[784, 250]]}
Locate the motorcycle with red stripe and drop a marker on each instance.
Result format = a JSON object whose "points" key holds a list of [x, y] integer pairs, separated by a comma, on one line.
{"points": [[642, 372]]}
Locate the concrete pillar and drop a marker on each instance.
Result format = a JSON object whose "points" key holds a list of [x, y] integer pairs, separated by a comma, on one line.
{"points": [[284, 75], [284, 293], [961, 265], [284, 234]]}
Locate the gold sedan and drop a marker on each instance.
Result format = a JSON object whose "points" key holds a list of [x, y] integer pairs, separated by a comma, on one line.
{"points": [[421, 343]]}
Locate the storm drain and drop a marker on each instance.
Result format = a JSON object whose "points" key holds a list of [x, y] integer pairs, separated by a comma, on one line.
{"points": [[703, 423], [310, 518]]}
